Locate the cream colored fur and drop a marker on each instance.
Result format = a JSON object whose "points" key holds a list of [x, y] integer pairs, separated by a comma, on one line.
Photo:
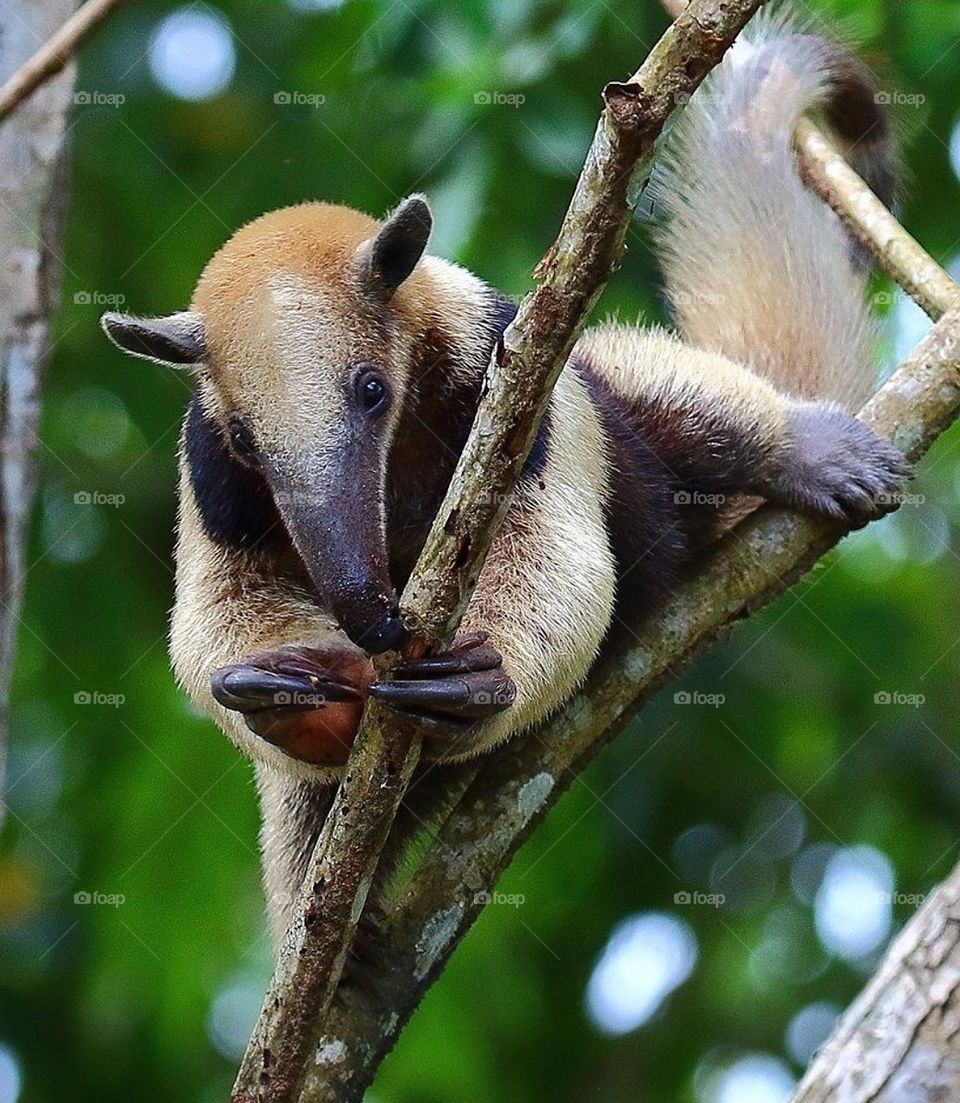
{"points": [[546, 592], [225, 610], [658, 365], [757, 267]]}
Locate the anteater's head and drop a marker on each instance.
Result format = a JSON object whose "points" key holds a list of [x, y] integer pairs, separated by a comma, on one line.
{"points": [[301, 331]]}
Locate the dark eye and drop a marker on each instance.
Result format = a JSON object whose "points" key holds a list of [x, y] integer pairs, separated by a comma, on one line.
{"points": [[373, 394], [242, 443]]}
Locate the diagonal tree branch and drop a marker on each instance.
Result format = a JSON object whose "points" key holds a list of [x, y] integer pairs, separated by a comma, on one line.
{"points": [[54, 54], [510, 792], [517, 389], [895, 251], [514, 788], [827, 173], [898, 1040]]}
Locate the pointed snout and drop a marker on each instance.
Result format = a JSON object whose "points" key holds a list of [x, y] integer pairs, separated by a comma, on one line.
{"points": [[338, 531]]}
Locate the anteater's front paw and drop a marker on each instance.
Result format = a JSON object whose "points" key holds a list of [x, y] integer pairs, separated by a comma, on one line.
{"points": [[304, 700], [839, 467], [451, 692]]}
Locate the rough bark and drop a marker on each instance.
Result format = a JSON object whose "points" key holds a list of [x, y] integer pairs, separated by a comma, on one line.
{"points": [[32, 201], [897, 1043], [517, 389], [511, 791]]}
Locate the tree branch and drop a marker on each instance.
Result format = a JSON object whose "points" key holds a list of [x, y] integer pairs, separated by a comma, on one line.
{"points": [[54, 54], [515, 787], [895, 251], [826, 172], [516, 392]]}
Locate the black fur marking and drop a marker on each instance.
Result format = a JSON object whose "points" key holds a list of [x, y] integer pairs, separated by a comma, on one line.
{"points": [[647, 537], [537, 460], [235, 505], [504, 311], [676, 468]]}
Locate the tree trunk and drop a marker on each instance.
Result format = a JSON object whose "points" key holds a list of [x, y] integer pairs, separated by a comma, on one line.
{"points": [[32, 202]]}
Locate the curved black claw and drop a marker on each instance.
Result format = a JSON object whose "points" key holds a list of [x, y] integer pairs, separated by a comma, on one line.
{"points": [[279, 677], [306, 701], [453, 690], [461, 696]]}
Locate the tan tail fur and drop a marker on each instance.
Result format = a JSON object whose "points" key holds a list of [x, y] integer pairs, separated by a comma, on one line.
{"points": [[756, 266]]}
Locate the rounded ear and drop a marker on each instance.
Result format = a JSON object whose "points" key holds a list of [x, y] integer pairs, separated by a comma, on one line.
{"points": [[390, 256], [177, 340]]}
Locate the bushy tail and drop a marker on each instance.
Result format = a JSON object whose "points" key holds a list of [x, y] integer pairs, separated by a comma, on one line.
{"points": [[756, 266]]}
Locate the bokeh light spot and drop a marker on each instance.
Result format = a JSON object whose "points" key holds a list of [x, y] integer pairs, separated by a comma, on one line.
{"points": [[10, 1079], [646, 958], [853, 906], [191, 54], [755, 1078], [809, 1029]]}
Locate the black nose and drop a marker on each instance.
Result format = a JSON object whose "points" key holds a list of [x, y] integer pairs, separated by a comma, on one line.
{"points": [[387, 635]]}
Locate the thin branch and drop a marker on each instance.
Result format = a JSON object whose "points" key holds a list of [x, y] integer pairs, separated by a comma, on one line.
{"points": [[517, 389], [54, 54], [897, 253], [826, 172]]}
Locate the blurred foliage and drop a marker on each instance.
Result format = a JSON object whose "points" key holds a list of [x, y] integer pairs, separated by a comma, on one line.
{"points": [[117, 789]]}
